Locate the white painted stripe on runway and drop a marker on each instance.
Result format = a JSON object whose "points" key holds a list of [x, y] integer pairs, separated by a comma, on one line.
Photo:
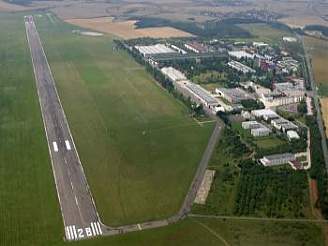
{"points": [[139, 227], [71, 231], [68, 145], [96, 228], [93, 229], [54, 144], [99, 228], [68, 234], [74, 230]]}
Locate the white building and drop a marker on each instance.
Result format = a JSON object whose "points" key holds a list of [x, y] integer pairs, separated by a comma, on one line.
{"points": [[292, 135], [260, 44], [240, 67], [266, 114], [241, 54], [251, 124], [173, 74], [278, 159], [261, 132], [289, 39], [154, 49]]}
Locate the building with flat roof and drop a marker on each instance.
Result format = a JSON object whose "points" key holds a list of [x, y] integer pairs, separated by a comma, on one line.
{"points": [[233, 95], [240, 67], [261, 132], [173, 74], [266, 114], [292, 135], [241, 54], [149, 50], [277, 159], [196, 47], [251, 124]]}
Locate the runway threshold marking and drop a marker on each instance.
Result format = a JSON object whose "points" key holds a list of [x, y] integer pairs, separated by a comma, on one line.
{"points": [[68, 145], [54, 144], [73, 233]]}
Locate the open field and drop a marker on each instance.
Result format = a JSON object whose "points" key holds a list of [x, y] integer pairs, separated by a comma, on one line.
{"points": [[319, 57], [319, 53], [127, 29], [266, 33], [134, 139]]}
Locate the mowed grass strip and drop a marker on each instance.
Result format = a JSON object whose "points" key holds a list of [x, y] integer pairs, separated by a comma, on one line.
{"points": [[29, 210], [138, 146], [318, 50]]}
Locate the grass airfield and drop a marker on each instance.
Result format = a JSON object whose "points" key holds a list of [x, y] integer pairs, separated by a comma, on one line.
{"points": [[138, 146]]}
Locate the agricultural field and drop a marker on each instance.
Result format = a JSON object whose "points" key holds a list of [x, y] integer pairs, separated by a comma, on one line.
{"points": [[127, 29], [265, 33], [318, 49], [134, 138]]}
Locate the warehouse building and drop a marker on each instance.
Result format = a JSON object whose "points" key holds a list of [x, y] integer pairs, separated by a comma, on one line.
{"points": [[233, 95], [251, 124], [173, 74], [241, 54], [154, 49], [266, 114], [292, 135], [283, 125], [203, 95], [240, 67], [277, 159], [196, 47], [261, 132]]}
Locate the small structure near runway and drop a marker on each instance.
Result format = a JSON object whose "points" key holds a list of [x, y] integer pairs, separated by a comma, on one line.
{"points": [[205, 187]]}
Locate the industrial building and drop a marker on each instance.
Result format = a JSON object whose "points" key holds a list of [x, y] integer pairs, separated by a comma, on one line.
{"points": [[196, 47], [240, 67], [289, 39], [292, 135], [257, 129], [233, 95], [283, 125], [203, 95], [261, 132], [277, 159], [154, 49], [251, 124], [266, 114], [241, 54], [173, 74]]}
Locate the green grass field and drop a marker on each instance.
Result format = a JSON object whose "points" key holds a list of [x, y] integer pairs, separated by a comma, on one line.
{"points": [[265, 33], [29, 208], [137, 144], [319, 53]]}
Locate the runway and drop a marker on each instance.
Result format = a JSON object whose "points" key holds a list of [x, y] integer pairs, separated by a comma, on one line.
{"points": [[78, 210]]}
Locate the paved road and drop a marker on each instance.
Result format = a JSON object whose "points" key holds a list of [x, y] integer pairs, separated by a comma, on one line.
{"points": [[257, 218], [77, 207], [316, 104]]}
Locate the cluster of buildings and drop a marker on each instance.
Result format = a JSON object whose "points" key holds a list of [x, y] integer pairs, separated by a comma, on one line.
{"points": [[275, 121], [196, 47], [257, 129]]}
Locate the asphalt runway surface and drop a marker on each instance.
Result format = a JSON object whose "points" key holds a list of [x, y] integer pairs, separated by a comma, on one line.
{"points": [[79, 213], [80, 216]]}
